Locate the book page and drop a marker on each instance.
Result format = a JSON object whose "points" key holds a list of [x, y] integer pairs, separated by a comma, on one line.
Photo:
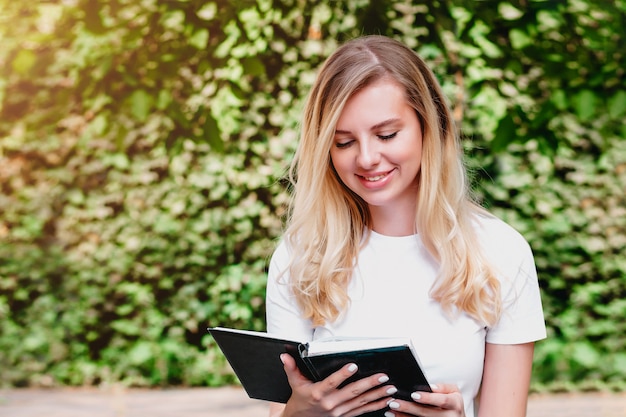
{"points": [[334, 345]]}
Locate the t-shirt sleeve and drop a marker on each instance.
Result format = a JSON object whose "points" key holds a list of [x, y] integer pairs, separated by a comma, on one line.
{"points": [[283, 315], [522, 319]]}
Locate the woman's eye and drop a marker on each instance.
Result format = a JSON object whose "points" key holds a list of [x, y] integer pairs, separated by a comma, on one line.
{"points": [[341, 145], [386, 137]]}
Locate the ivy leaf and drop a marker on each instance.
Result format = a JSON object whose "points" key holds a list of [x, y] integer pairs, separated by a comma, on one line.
{"points": [[505, 134], [212, 134], [23, 61], [163, 100], [585, 105], [253, 66], [140, 353], [200, 39], [559, 99], [585, 354], [140, 104], [519, 39], [617, 104], [508, 12]]}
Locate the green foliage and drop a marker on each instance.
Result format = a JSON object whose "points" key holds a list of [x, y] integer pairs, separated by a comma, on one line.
{"points": [[134, 175], [143, 146]]}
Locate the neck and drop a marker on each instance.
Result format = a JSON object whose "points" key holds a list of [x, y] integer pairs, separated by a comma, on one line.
{"points": [[393, 223]]}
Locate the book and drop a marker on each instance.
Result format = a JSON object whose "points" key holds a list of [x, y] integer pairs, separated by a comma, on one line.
{"points": [[255, 359]]}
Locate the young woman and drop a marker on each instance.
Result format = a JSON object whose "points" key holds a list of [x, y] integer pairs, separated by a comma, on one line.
{"points": [[384, 240]]}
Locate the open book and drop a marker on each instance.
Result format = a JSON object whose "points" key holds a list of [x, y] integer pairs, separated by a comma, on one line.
{"points": [[254, 357]]}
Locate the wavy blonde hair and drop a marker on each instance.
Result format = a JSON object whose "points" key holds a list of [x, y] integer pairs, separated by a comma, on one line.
{"points": [[327, 222]]}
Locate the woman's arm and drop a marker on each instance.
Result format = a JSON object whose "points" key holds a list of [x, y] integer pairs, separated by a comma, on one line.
{"points": [[506, 379], [504, 389]]}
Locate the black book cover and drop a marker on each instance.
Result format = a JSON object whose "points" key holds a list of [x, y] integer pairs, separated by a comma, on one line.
{"points": [[255, 359]]}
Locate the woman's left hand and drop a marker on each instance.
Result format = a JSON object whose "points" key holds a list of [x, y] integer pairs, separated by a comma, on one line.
{"points": [[445, 401]]}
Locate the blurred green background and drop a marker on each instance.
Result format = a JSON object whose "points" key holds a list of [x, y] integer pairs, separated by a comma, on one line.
{"points": [[143, 148]]}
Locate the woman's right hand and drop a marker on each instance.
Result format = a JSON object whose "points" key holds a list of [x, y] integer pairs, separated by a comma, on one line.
{"points": [[323, 399]]}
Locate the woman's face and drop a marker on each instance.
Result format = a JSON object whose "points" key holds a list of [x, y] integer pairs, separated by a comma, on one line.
{"points": [[377, 148]]}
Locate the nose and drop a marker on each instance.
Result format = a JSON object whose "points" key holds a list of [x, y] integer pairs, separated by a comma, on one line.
{"points": [[369, 155]]}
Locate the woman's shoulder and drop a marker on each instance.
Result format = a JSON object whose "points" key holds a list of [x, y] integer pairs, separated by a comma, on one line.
{"points": [[508, 253], [498, 236]]}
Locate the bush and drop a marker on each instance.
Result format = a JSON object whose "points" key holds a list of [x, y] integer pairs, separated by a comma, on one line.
{"points": [[143, 147]]}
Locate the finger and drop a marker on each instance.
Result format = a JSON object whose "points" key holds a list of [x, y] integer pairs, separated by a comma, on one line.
{"points": [[371, 400], [395, 413], [447, 397], [444, 388], [357, 395], [367, 384], [335, 379], [364, 409], [341, 401], [294, 376], [400, 408]]}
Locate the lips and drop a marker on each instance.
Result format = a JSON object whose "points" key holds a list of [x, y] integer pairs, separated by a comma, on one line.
{"points": [[374, 177]]}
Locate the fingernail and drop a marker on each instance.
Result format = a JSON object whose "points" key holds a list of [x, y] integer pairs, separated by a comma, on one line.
{"points": [[416, 396], [389, 414], [282, 358], [392, 390], [352, 367], [393, 404], [383, 379], [434, 386]]}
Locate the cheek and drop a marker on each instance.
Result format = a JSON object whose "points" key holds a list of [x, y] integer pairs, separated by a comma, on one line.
{"points": [[339, 162], [342, 172]]}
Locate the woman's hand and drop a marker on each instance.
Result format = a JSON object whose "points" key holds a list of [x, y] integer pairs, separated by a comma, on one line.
{"points": [[323, 399], [444, 401]]}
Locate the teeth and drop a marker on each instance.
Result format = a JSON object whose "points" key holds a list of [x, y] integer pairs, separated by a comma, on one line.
{"points": [[376, 178]]}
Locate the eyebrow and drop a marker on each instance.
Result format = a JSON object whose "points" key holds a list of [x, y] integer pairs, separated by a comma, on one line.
{"points": [[377, 126]]}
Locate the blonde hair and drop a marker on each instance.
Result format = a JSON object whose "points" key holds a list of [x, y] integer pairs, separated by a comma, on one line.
{"points": [[327, 221]]}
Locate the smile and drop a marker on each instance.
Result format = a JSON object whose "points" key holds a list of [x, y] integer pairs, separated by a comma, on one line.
{"points": [[374, 178]]}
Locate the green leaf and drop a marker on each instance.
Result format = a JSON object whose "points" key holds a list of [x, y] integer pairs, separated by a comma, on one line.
{"points": [[140, 353], [619, 362], [127, 327], [253, 66], [549, 19], [505, 134], [519, 39], [585, 354], [99, 124], [163, 100], [117, 160], [208, 11], [200, 39], [556, 224], [559, 99], [140, 104], [174, 20], [212, 133], [585, 105], [617, 104], [479, 34], [23, 61], [508, 12]]}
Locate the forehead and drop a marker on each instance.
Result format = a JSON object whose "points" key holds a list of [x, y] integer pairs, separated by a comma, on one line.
{"points": [[380, 100]]}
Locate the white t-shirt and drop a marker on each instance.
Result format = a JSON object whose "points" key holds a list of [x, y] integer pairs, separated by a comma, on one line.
{"points": [[389, 297]]}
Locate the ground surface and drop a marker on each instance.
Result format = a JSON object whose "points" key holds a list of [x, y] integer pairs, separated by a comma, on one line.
{"points": [[233, 402]]}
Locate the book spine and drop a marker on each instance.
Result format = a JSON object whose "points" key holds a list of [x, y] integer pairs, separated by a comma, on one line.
{"points": [[302, 350]]}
